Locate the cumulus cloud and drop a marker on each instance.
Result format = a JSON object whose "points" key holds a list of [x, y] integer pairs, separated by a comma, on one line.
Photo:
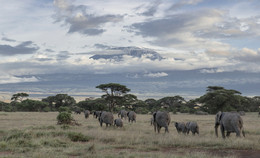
{"points": [[27, 47], [79, 20]]}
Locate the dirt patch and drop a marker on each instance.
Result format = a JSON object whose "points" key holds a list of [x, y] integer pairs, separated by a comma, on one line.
{"points": [[249, 153], [216, 152]]}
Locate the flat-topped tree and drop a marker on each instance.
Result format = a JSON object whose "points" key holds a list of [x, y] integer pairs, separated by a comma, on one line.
{"points": [[114, 93], [19, 96]]}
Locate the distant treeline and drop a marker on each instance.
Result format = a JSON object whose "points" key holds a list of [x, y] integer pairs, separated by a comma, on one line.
{"points": [[116, 98]]}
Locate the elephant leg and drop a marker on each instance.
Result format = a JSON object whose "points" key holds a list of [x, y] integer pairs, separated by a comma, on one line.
{"points": [[158, 128], [154, 127], [166, 129], [101, 123], [188, 131], [243, 132], [222, 131], [237, 132]]}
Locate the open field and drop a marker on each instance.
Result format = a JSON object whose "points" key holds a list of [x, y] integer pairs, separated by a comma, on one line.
{"points": [[34, 134]]}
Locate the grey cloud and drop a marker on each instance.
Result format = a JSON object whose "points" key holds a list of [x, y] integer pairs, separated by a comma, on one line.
{"points": [[27, 47], [181, 3], [102, 46], [195, 28], [63, 55], [78, 20], [8, 39], [49, 50], [152, 9]]}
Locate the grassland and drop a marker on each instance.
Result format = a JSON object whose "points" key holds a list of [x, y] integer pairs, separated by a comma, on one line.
{"points": [[34, 134]]}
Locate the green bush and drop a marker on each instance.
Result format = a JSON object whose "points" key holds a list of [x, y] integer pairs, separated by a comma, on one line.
{"points": [[46, 109], [64, 109], [8, 108], [78, 137], [64, 118]]}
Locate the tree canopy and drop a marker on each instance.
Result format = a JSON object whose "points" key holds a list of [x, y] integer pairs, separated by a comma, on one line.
{"points": [[19, 96]]}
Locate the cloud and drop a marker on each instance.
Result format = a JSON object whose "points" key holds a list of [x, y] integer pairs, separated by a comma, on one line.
{"points": [[8, 39], [156, 75], [180, 30], [181, 3], [5, 79], [151, 9], [27, 47], [78, 20]]}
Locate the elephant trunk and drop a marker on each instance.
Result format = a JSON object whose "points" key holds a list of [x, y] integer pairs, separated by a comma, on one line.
{"points": [[216, 129]]}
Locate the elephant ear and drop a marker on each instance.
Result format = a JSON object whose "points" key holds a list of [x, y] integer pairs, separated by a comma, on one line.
{"points": [[154, 116], [220, 114], [127, 113]]}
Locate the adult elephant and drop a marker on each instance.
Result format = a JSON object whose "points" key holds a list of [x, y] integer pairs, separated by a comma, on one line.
{"points": [[229, 122], [106, 117], [131, 116], [161, 119], [122, 114]]}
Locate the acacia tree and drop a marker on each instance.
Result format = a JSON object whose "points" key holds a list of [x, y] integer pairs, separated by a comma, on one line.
{"points": [[19, 96], [220, 99], [114, 93]]}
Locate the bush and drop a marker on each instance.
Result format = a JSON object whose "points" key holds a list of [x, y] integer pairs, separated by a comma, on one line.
{"points": [[78, 137], [64, 118], [64, 109], [8, 108], [46, 109]]}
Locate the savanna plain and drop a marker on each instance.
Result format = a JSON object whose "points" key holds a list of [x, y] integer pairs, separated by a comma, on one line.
{"points": [[36, 134]]}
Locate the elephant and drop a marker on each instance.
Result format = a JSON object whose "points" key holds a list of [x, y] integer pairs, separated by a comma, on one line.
{"points": [[87, 113], [77, 111], [193, 127], [181, 127], [161, 119], [122, 114], [230, 122], [106, 117], [96, 114], [131, 116], [118, 122]]}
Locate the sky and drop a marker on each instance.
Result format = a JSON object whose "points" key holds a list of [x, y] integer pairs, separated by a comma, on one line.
{"points": [[156, 48]]}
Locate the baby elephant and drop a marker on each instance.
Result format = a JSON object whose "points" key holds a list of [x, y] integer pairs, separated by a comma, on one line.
{"points": [[193, 127], [180, 126], [118, 122]]}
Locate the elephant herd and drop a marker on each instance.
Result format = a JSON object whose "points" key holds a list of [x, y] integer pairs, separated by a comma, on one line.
{"points": [[229, 122]]}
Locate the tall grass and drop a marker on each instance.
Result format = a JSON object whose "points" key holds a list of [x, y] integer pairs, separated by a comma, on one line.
{"points": [[25, 134]]}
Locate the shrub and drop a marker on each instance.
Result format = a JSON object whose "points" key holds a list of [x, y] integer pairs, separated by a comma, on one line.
{"points": [[64, 109], [78, 137], [46, 109], [64, 118]]}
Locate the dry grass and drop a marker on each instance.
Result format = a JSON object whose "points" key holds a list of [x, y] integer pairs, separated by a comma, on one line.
{"points": [[33, 134]]}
